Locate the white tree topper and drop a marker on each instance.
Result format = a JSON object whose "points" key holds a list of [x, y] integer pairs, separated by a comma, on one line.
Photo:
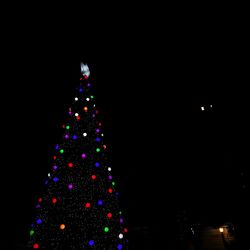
{"points": [[85, 69]]}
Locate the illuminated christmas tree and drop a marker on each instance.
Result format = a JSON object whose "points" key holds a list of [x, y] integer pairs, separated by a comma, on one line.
{"points": [[80, 209]]}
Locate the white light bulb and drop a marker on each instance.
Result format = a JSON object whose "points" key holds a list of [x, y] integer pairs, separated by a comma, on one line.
{"points": [[120, 236], [202, 108], [76, 98], [87, 99], [102, 134], [48, 174], [84, 134], [94, 105], [109, 168], [76, 114]]}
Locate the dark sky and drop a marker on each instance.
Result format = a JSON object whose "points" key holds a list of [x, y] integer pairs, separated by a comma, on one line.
{"points": [[168, 155]]}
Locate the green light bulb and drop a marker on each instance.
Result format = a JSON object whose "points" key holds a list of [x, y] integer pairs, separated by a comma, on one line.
{"points": [[98, 150], [61, 151], [67, 127], [106, 229], [113, 183], [32, 232]]}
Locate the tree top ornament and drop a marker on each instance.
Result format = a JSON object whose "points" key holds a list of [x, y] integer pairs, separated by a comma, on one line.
{"points": [[84, 69]]}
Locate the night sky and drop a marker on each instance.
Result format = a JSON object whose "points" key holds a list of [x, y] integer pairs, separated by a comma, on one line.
{"points": [[167, 154]]}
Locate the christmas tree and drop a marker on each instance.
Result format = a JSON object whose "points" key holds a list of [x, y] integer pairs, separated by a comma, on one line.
{"points": [[80, 208]]}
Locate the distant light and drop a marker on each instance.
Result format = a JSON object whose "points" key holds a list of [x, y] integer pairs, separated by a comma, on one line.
{"points": [[119, 246], [211, 106], [221, 229], [55, 179], [91, 243], [32, 232], [100, 203], [109, 168], [202, 108], [74, 137], [54, 200], [70, 186], [85, 134], [88, 205], [109, 215], [110, 190], [61, 151], [76, 114], [67, 127], [120, 236], [87, 99], [39, 221], [121, 220], [62, 226], [98, 139], [83, 156], [85, 109], [66, 136], [97, 164], [70, 164], [125, 230], [98, 150], [76, 98], [110, 177], [35, 246], [48, 174], [55, 167], [93, 177], [97, 130], [106, 229]]}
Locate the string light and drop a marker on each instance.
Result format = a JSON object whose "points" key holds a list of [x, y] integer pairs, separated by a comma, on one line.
{"points": [[62, 226], [106, 229], [120, 236], [35, 246], [76, 98], [84, 134]]}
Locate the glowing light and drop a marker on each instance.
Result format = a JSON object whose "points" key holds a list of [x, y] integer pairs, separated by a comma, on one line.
{"points": [[68, 127], [39, 221], [48, 174], [76, 98], [91, 96], [202, 108], [88, 205], [120, 236], [221, 229], [109, 215], [98, 139], [57, 147], [109, 168], [55, 179], [106, 229], [54, 200], [119, 246], [97, 130], [76, 114], [93, 177], [40, 200], [78, 118], [104, 146], [110, 190], [110, 177], [84, 134], [125, 230], [87, 99], [35, 246], [100, 124], [85, 109], [80, 89], [74, 137], [61, 151], [32, 232], [83, 156], [99, 202], [91, 243], [66, 136], [102, 134], [55, 167], [113, 183], [98, 150], [70, 164], [70, 186], [97, 164], [121, 220], [62, 226]]}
